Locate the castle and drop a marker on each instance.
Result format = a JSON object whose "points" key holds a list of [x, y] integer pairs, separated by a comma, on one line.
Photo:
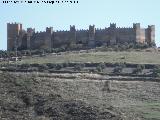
{"points": [[29, 39]]}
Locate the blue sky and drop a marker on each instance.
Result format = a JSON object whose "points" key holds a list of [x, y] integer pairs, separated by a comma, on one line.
{"points": [[98, 12]]}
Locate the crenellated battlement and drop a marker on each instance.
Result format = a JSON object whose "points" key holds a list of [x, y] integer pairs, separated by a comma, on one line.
{"points": [[13, 23], [112, 25], [136, 25], [72, 28], [151, 27], [30, 30], [49, 30]]}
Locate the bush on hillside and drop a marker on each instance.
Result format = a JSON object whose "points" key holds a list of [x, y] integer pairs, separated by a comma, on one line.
{"points": [[139, 69], [156, 71], [79, 67], [101, 67]]}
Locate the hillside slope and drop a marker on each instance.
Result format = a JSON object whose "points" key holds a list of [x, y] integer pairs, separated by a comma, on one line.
{"points": [[35, 96], [30, 98]]}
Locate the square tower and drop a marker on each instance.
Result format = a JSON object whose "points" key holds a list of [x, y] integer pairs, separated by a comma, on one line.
{"points": [[92, 30], [30, 32], [137, 32], [13, 31], [151, 34], [72, 34]]}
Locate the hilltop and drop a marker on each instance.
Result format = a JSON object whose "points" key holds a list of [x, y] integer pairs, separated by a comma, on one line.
{"points": [[81, 85]]}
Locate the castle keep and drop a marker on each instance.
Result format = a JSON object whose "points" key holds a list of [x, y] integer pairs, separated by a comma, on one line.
{"points": [[29, 39]]}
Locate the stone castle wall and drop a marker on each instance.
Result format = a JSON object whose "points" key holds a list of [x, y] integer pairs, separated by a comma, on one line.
{"points": [[90, 37]]}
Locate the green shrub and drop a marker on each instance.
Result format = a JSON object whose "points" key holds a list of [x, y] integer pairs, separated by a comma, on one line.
{"points": [[79, 67], [33, 69], [139, 69], [59, 66], [51, 65], [23, 66], [101, 67], [118, 69], [65, 64], [12, 68], [156, 71], [34, 65], [121, 64], [43, 67]]}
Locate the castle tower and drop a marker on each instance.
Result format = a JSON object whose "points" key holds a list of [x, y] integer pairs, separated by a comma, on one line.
{"points": [[91, 42], [137, 31], [49, 30], [151, 34], [112, 30], [30, 32], [112, 25], [13, 32], [48, 39], [73, 34]]}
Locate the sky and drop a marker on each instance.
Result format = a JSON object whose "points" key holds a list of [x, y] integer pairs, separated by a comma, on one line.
{"points": [[82, 14]]}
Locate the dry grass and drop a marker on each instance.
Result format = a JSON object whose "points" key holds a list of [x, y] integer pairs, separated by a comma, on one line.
{"points": [[108, 57]]}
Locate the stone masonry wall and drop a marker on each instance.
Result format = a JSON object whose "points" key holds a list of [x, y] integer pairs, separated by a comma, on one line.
{"points": [[89, 37]]}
